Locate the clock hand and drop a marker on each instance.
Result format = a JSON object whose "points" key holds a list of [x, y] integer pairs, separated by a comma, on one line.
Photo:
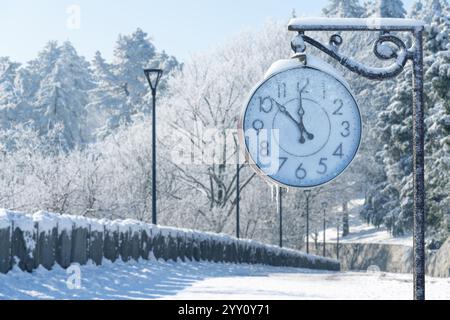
{"points": [[283, 110], [305, 132], [299, 124], [301, 113]]}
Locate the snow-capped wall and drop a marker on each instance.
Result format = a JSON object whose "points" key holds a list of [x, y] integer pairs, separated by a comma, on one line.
{"points": [[46, 238]]}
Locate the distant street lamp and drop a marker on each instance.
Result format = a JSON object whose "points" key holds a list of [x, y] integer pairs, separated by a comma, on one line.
{"points": [[238, 189], [324, 208], [308, 193], [153, 76], [337, 240], [280, 212]]}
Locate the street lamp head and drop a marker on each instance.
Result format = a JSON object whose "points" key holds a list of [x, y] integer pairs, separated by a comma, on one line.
{"points": [[324, 204], [153, 76]]}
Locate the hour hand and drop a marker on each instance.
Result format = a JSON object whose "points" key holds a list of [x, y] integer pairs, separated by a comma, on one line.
{"points": [[301, 113]]}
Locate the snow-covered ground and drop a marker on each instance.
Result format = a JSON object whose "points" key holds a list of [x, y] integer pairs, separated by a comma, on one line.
{"points": [[192, 280], [362, 232]]}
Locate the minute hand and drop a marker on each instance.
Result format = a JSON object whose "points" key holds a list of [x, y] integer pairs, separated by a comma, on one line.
{"points": [[285, 112]]}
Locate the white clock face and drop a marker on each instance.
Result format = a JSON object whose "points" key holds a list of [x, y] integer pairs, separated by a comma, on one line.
{"points": [[302, 127]]}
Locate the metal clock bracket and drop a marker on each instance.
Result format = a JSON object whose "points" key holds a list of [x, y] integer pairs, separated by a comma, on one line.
{"points": [[387, 47]]}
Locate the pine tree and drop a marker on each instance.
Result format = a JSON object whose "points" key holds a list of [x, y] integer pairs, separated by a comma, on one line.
{"points": [[343, 9], [131, 55], [438, 147], [9, 97], [122, 91], [391, 199], [395, 125], [437, 84], [107, 100], [385, 8], [59, 93]]}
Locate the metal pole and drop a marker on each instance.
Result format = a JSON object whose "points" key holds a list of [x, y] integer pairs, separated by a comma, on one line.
{"points": [[280, 213], [238, 193], [418, 170], [307, 223], [324, 228], [154, 158], [337, 242]]}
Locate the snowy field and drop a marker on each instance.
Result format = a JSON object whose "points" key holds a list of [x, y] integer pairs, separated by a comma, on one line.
{"points": [[169, 280]]}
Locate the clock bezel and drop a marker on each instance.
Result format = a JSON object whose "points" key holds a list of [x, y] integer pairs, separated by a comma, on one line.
{"points": [[243, 145]]}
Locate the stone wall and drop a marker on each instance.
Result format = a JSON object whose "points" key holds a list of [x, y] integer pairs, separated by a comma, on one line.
{"points": [[387, 257], [45, 239]]}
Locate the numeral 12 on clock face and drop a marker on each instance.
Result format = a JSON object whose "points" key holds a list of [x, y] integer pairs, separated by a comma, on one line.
{"points": [[306, 123]]}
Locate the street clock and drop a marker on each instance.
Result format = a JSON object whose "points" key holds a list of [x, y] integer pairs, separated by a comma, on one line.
{"points": [[301, 126]]}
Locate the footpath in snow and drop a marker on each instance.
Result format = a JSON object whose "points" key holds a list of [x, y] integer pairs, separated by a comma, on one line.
{"points": [[361, 232], [150, 279]]}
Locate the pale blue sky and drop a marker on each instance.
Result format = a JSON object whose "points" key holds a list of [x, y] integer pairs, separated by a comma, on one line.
{"points": [[180, 27]]}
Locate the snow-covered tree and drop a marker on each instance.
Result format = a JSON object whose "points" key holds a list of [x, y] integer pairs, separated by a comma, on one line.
{"points": [[132, 54], [344, 9], [390, 200], [60, 80], [395, 125], [9, 95], [437, 84], [121, 90], [107, 101], [385, 8], [208, 94]]}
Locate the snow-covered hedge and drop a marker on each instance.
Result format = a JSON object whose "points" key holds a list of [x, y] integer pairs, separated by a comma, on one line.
{"points": [[46, 238]]}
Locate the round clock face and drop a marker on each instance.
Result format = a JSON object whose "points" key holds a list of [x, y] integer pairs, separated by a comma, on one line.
{"points": [[302, 127]]}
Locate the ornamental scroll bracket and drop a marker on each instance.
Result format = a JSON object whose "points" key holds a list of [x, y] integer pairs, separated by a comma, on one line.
{"points": [[396, 51]]}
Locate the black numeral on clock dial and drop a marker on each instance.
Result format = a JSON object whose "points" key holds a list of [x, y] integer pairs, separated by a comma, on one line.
{"points": [[323, 166], [346, 127], [282, 161], [264, 148], [282, 90], [303, 87], [265, 104], [324, 92], [340, 104], [300, 173], [338, 152], [258, 125]]}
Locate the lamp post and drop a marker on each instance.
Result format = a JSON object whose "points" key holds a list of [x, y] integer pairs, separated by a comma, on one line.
{"points": [[324, 208], [238, 189], [280, 212], [308, 193], [337, 240], [153, 76]]}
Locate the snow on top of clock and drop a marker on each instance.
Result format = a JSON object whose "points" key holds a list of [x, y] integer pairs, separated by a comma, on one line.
{"points": [[312, 61]]}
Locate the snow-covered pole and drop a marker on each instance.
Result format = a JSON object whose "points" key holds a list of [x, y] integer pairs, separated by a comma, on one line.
{"points": [[337, 240], [280, 212], [418, 169], [308, 193], [400, 54], [153, 76], [324, 208], [238, 189]]}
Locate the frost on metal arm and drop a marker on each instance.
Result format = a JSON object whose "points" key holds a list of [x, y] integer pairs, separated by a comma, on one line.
{"points": [[343, 24]]}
